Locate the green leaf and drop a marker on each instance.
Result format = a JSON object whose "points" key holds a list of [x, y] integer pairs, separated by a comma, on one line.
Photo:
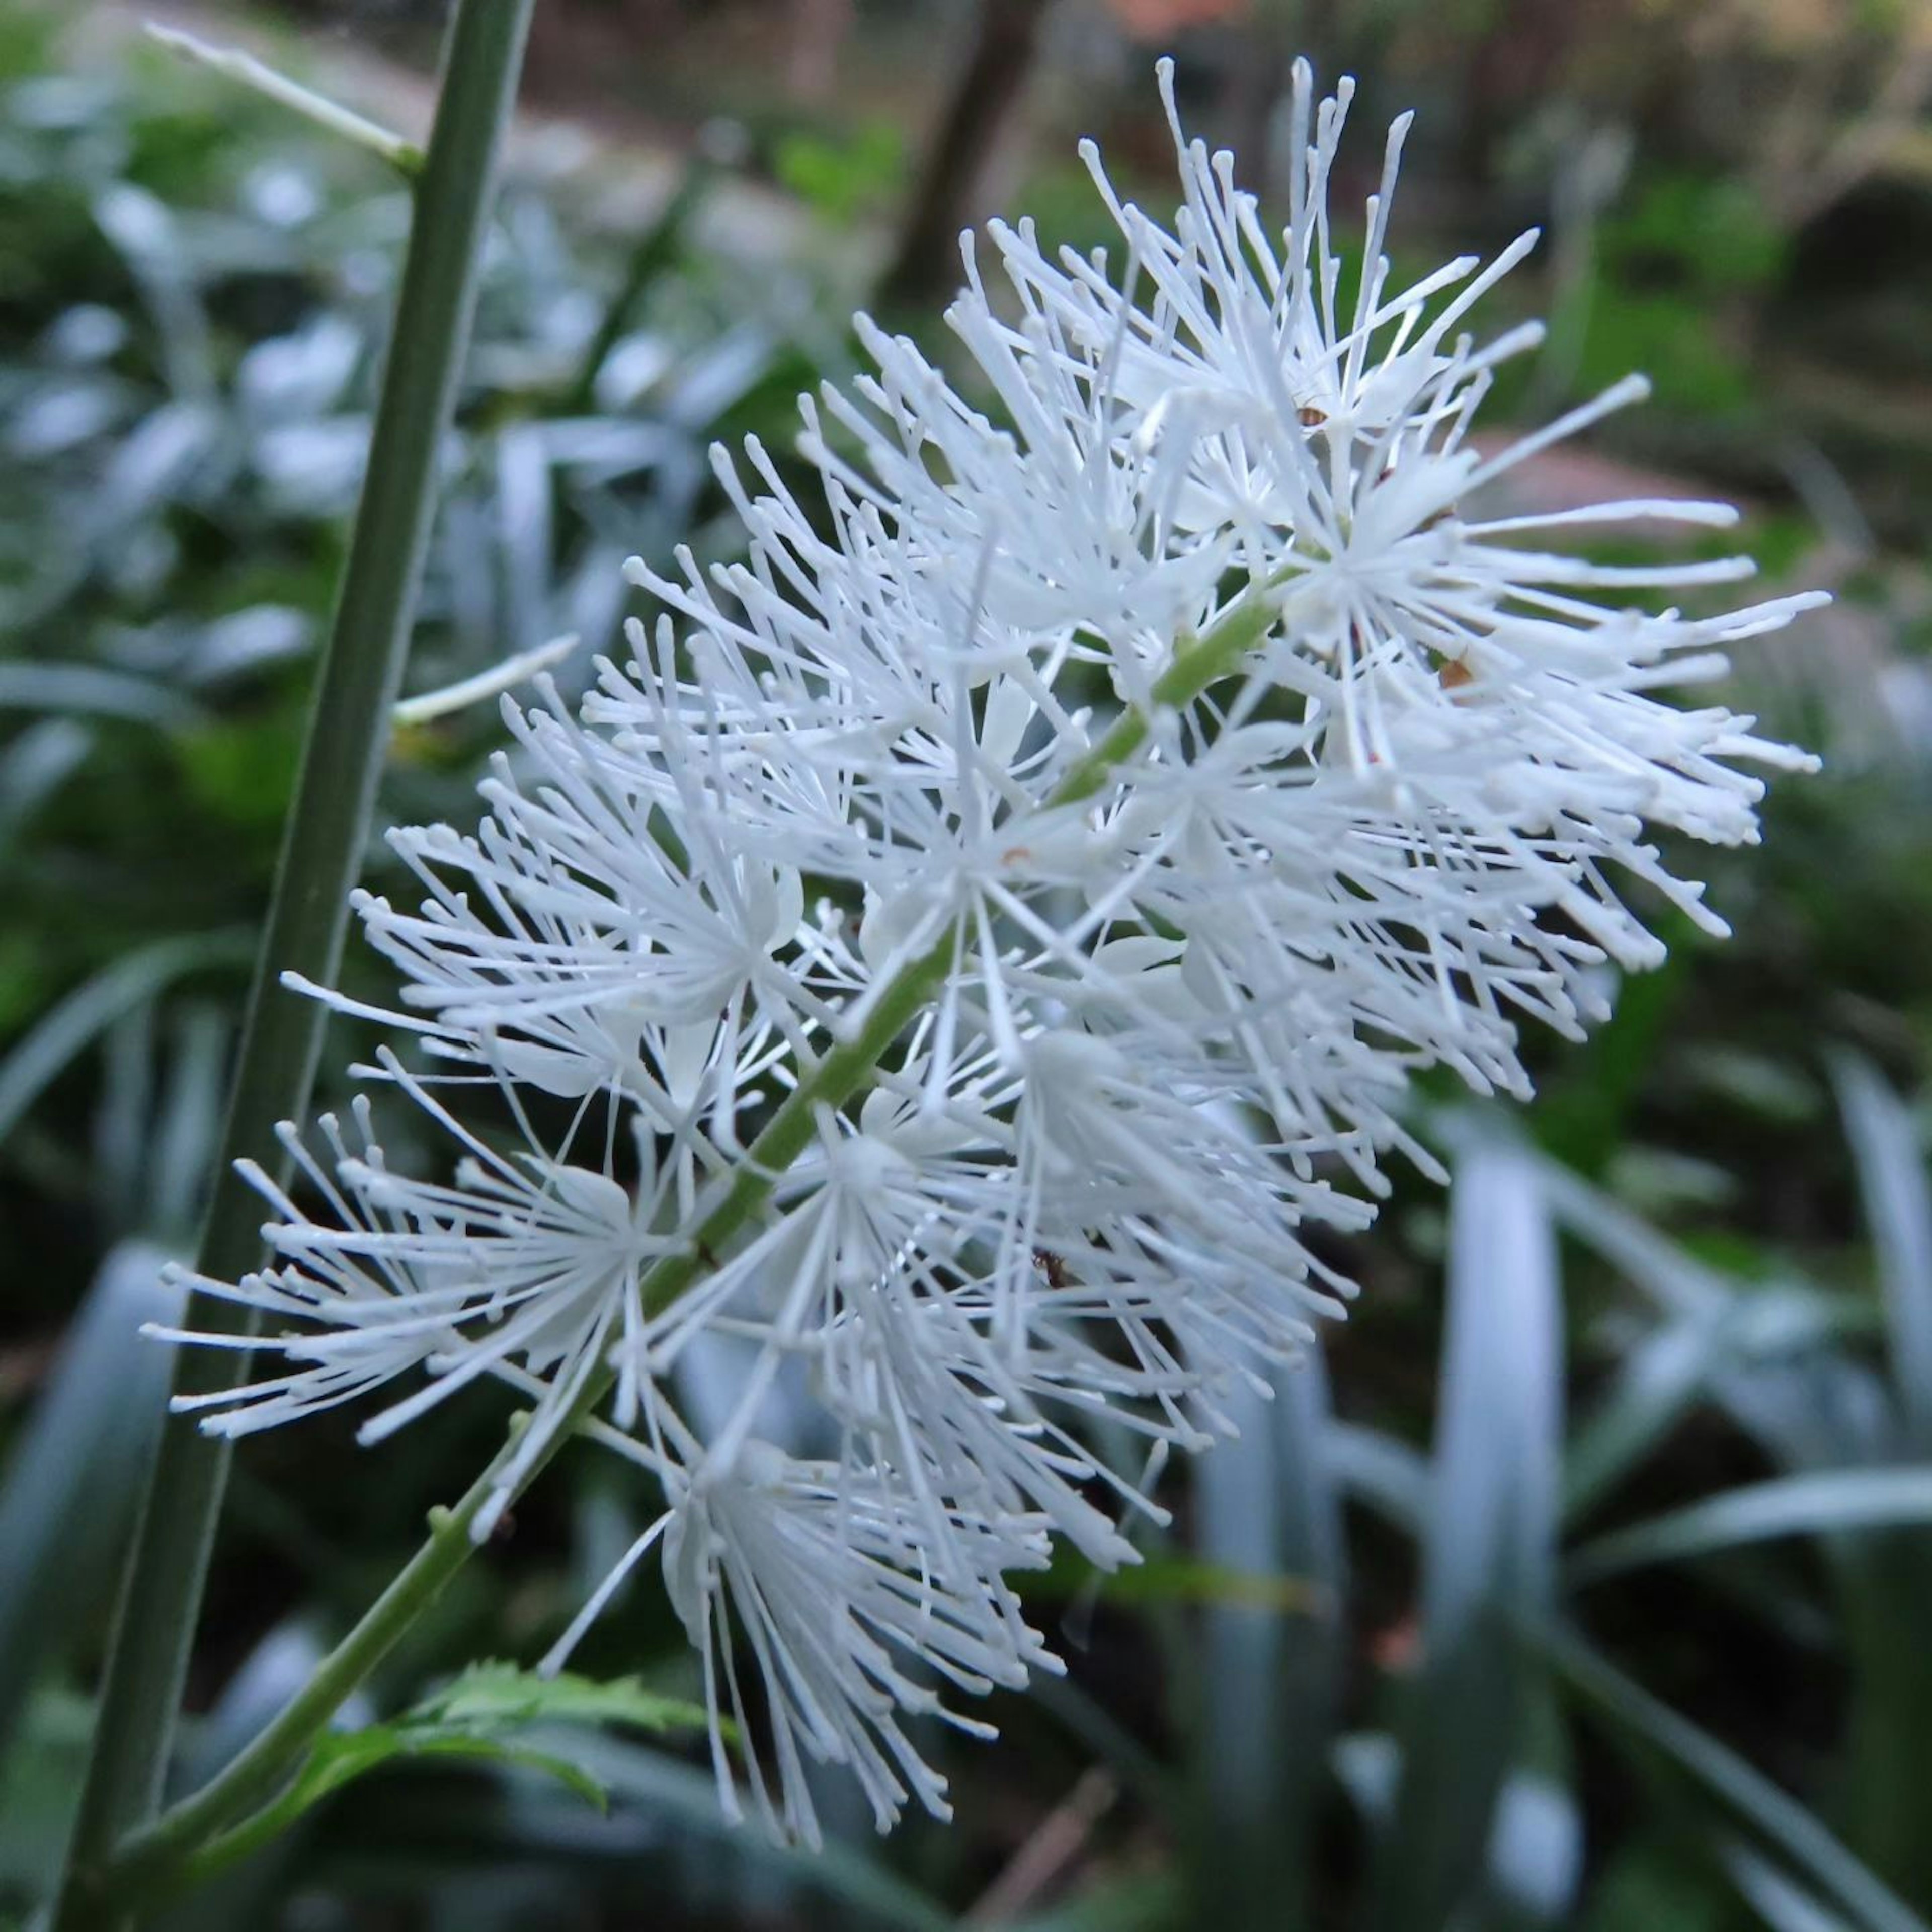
{"points": [[37, 1060], [75, 1475], [1266, 1505], [1817, 1502], [1142, 1902], [475, 1719], [1488, 1542], [1897, 1201], [1805, 1406], [1381, 1471], [1658, 1379], [502, 1694], [1165, 1578], [342, 1757], [667, 1797], [1535, 1857], [1868, 1903], [1784, 1904], [1662, 1375]]}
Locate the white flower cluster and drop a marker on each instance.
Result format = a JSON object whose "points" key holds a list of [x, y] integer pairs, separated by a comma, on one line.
{"points": [[952, 960]]}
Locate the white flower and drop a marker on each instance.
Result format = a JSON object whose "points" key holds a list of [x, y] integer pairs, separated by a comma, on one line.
{"points": [[951, 966], [824, 1572], [525, 1262]]}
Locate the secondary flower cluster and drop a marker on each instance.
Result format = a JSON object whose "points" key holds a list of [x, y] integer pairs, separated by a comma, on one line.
{"points": [[947, 969]]}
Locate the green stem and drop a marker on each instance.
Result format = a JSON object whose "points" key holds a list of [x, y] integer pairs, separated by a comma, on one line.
{"points": [[1197, 663], [161, 1860], [151, 1860], [342, 761]]}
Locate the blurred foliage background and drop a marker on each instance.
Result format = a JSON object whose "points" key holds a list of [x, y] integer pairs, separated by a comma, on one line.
{"points": [[1588, 1582]]}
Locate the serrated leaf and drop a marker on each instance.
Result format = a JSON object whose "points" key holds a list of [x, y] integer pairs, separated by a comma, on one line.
{"points": [[476, 1719], [341, 1757], [497, 1694]]}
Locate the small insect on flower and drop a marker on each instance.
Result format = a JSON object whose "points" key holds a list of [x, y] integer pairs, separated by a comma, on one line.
{"points": [[940, 990], [1050, 1266]]}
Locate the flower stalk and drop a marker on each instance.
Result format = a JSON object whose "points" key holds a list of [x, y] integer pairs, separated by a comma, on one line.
{"points": [[158, 1860], [899, 1070], [357, 682]]}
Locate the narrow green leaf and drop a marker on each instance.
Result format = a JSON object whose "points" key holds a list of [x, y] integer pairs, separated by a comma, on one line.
{"points": [[1163, 1578], [1897, 1200], [1784, 1904], [1658, 1381], [1489, 1544], [1141, 1902], [234, 64], [1381, 1471], [1663, 1375], [71, 1486], [1816, 1502], [1871, 1905], [42, 1055], [1807, 1407], [35, 764], [1534, 1859], [91, 691], [1675, 1279], [1265, 1505], [666, 1796]]}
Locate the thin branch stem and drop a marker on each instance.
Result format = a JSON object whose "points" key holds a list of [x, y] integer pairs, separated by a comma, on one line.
{"points": [[342, 761], [233, 65]]}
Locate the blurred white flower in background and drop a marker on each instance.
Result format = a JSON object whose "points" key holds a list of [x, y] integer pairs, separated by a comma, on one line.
{"points": [[981, 939]]}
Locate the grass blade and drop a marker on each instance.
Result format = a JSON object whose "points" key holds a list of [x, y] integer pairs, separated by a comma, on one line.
{"points": [[1816, 1502], [1659, 1379], [668, 1798], [1381, 1471], [73, 1479], [1266, 1505], [43, 1054], [1488, 1555], [1783, 1904], [1898, 1211], [1869, 1904]]}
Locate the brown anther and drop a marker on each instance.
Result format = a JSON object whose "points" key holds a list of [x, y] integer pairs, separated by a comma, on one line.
{"points": [[1051, 1265], [705, 1255], [503, 1528], [1015, 855], [1455, 674], [1309, 417]]}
